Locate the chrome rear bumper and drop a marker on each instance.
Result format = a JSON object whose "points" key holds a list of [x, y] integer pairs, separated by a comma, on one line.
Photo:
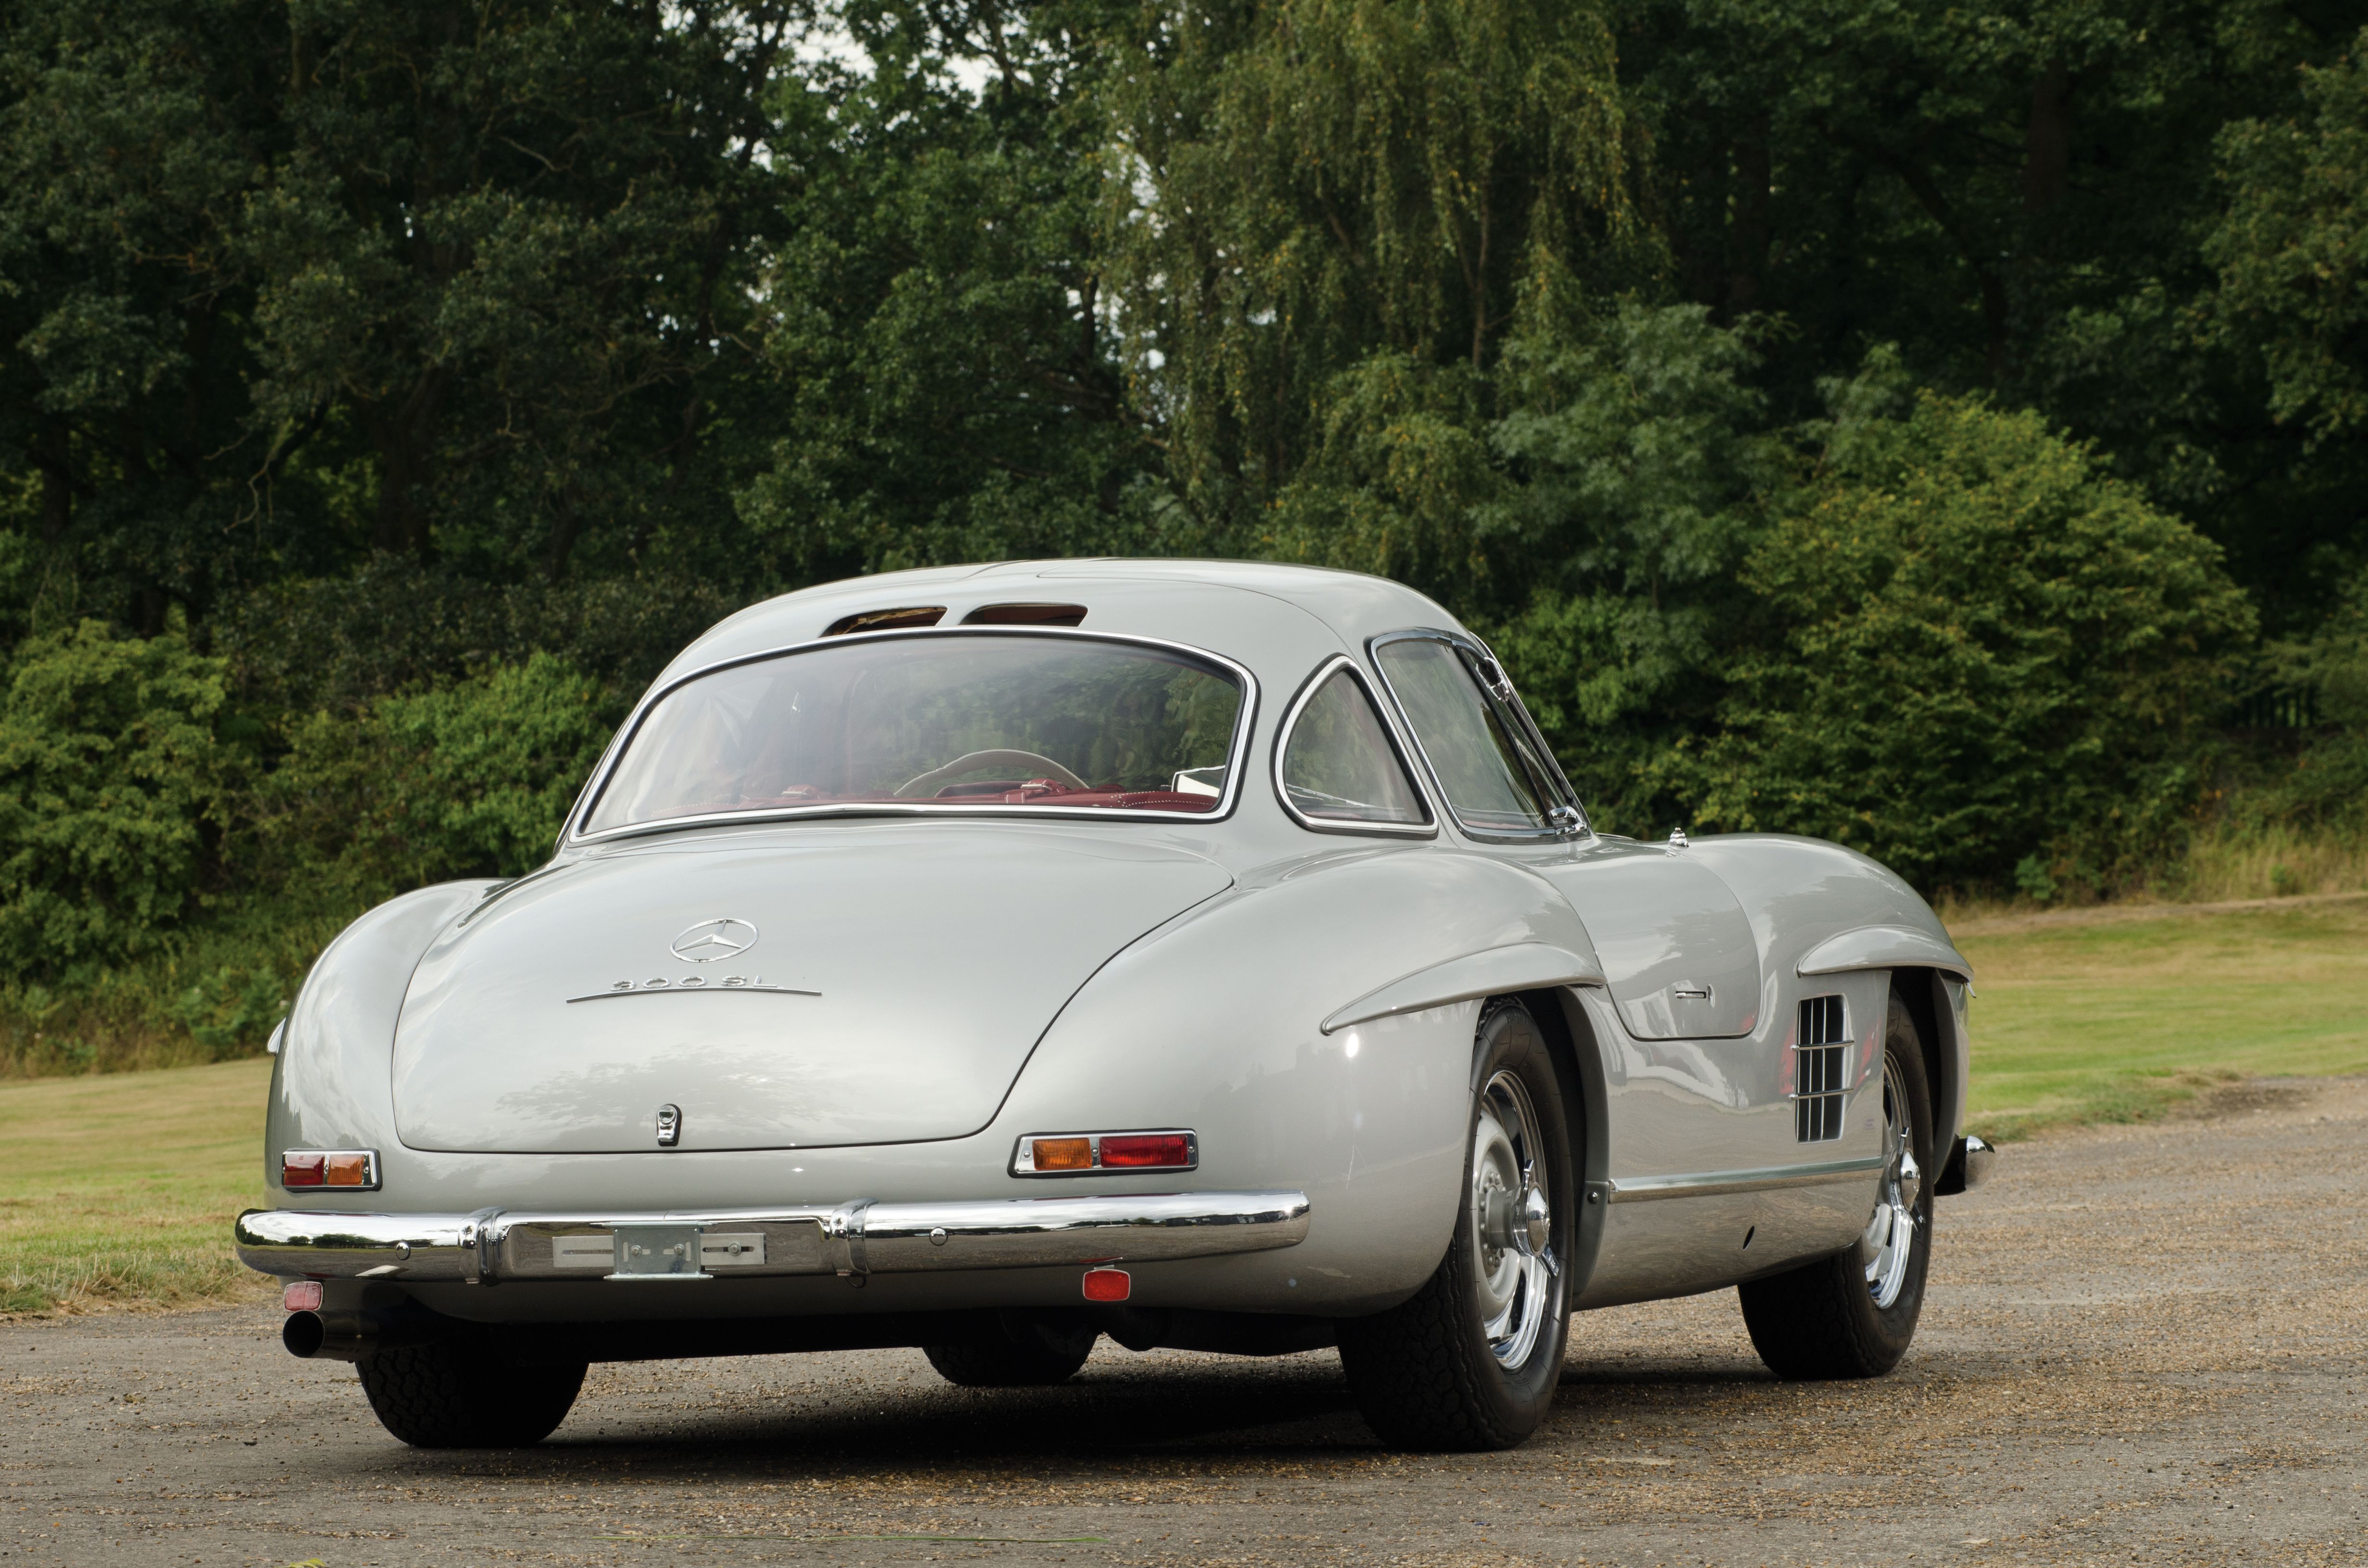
{"points": [[857, 1238]]}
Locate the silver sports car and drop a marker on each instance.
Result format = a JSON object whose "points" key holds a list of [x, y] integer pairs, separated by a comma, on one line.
{"points": [[1202, 954]]}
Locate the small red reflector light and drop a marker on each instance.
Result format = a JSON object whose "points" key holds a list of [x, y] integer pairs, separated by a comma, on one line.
{"points": [[1065, 1153], [302, 1170], [302, 1296], [1108, 1284], [1141, 1151]]}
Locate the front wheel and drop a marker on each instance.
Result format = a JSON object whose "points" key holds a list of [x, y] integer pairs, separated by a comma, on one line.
{"points": [[1473, 1360], [1853, 1316]]}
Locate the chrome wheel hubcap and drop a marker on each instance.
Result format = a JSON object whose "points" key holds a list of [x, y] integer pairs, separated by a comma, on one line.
{"points": [[1512, 1222], [1890, 1239]]}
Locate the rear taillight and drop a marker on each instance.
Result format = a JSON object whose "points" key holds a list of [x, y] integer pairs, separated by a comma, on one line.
{"points": [[1092, 1154], [355, 1170], [1147, 1151]]}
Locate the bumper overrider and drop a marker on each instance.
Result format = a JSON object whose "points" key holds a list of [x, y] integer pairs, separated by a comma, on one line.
{"points": [[859, 1238]]}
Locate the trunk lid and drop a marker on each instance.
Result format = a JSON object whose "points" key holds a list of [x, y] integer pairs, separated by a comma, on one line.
{"points": [[839, 986]]}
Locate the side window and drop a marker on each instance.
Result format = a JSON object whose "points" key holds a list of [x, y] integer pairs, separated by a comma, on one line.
{"points": [[1337, 765], [1475, 750]]}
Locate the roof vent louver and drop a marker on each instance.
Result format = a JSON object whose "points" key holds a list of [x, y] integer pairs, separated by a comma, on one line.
{"points": [[1820, 1058], [1025, 615], [885, 621]]}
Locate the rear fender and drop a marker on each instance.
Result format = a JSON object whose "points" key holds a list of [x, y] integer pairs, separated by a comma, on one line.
{"points": [[1217, 1022], [330, 1084]]}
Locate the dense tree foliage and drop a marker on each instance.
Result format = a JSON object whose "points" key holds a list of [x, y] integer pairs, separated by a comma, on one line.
{"points": [[385, 391]]}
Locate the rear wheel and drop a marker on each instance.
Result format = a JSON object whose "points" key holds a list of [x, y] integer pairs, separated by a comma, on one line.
{"points": [[1473, 1360], [455, 1395], [1853, 1316], [1017, 1353]]}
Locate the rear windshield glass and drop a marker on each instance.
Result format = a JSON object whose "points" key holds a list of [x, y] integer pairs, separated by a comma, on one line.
{"points": [[1000, 719]]}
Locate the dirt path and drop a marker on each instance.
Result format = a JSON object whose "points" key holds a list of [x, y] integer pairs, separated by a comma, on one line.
{"points": [[2143, 1344]]}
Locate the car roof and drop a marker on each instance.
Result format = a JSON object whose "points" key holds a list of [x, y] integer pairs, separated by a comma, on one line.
{"points": [[1268, 616]]}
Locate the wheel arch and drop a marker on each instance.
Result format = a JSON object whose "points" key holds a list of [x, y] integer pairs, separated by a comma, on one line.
{"points": [[1570, 1037], [1920, 991]]}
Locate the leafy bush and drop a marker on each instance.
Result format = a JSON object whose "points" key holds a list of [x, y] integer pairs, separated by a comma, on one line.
{"points": [[112, 780], [1987, 661], [468, 780]]}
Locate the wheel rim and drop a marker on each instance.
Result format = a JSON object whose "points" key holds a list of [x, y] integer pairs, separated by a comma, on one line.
{"points": [[1890, 1239], [1512, 1222]]}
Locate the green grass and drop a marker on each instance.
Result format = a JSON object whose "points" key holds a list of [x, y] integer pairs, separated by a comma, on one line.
{"points": [[2124, 1015], [119, 1188]]}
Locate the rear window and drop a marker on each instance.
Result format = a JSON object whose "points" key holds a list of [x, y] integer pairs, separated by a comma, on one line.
{"points": [[1008, 721]]}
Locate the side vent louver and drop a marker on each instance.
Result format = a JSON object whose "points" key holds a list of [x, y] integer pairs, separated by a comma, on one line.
{"points": [[1821, 1049]]}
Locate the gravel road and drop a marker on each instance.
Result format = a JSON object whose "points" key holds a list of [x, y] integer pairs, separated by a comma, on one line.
{"points": [[2142, 1345]]}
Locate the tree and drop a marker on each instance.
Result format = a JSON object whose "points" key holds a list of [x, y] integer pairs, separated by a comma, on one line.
{"points": [[287, 283], [1299, 186], [939, 313], [2292, 247]]}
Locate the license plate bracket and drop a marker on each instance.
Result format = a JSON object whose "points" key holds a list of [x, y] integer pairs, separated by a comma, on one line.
{"points": [[657, 1251]]}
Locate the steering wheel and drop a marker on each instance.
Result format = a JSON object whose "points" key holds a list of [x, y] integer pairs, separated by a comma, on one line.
{"points": [[1039, 766]]}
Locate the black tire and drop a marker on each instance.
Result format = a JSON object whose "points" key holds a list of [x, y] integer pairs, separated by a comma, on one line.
{"points": [[1823, 1321], [1426, 1373], [457, 1395], [1018, 1353]]}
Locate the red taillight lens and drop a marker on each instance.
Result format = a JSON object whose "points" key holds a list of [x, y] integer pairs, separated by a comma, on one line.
{"points": [[303, 1170], [1146, 1151], [302, 1296], [1108, 1284]]}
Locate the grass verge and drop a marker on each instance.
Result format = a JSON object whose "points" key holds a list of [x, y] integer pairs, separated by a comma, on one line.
{"points": [[2123, 1014], [118, 1189]]}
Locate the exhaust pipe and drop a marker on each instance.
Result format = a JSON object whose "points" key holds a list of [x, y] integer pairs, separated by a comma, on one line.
{"points": [[333, 1335]]}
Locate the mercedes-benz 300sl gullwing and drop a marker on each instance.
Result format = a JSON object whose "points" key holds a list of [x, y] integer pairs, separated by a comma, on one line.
{"points": [[1206, 955]]}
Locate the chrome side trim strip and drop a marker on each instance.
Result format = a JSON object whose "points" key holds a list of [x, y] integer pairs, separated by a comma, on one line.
{"points": [[1711, 1184], [858, 1238]]}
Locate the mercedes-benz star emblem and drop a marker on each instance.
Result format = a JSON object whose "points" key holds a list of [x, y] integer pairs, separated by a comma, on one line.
{"points": [[712, 939]]}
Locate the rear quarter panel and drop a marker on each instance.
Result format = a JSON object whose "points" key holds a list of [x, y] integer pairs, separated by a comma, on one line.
{"points": [[1213, 1023]]}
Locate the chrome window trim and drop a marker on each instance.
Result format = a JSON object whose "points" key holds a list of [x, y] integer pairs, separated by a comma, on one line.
{"points": [[1426, 828], [1555, 783], [1237, 754]]}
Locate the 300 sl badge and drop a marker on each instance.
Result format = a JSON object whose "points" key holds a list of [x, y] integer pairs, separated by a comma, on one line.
{"points": [[693, 983]]}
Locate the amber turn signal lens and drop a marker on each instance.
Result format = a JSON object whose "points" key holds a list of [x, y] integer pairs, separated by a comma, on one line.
{"points": [[349, 1170], [1065, 1153], [1146, 1151], [303, 1170], [1108, 1284], [302, 1296]]}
